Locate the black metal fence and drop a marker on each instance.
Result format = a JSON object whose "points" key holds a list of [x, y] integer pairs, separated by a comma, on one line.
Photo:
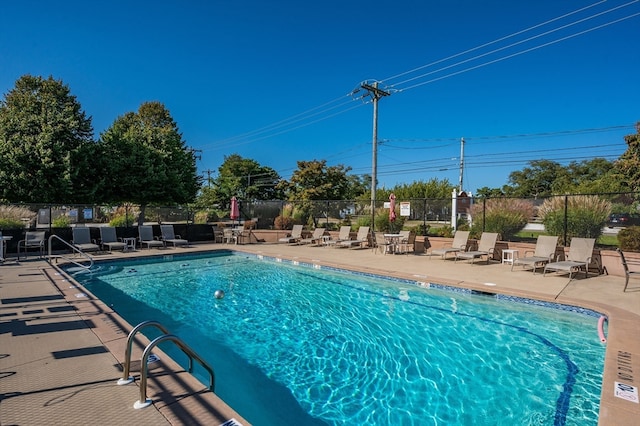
{"points": [[418, 213]]}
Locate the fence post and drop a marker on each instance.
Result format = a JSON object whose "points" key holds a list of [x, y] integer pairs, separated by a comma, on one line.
{"points": [[566, 217]]}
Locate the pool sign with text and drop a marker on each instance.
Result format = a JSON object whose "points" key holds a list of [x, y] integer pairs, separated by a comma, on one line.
{"points": [[624, 391]]}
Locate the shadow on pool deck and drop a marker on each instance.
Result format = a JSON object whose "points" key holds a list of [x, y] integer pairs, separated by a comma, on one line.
{"points": [[62, 349]]}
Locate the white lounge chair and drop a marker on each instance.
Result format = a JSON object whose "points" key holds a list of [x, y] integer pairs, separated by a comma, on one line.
{"points": [[459, 243], [109, 239], [486, 247], [362, 237], [315, 238], [169, 236], [343, 235], [294, 237], [627, 273], [145, 233], [82, 239], [544, 253], [579, 256]]}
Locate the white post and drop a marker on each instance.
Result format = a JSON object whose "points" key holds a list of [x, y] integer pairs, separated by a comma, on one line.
{"points": [[454, 209]]}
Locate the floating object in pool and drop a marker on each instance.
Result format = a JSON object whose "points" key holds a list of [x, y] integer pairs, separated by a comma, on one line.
{"points": [[219, 294], [184, 264], [131, 271]]}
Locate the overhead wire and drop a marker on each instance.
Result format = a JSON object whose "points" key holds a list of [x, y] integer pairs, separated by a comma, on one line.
{"points": [[319, 113]]}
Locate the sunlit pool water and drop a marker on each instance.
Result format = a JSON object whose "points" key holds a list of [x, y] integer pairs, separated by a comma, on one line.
{"points": [[296, 345]]}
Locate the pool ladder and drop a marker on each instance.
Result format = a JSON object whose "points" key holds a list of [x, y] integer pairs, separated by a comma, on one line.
{"points": [[144, 369]]}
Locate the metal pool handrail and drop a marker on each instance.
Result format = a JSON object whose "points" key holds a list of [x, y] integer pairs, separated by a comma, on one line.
{"points": [[74, 249], [144, 369]]}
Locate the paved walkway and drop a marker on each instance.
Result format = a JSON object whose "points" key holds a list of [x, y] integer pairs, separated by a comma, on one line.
{"points": [[62, 348]]}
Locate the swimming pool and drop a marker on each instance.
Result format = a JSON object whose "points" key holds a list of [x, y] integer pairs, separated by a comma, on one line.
{"points": [[292, 344]]}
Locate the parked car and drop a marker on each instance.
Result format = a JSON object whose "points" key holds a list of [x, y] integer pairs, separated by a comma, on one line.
{"points": [[623, 219]]}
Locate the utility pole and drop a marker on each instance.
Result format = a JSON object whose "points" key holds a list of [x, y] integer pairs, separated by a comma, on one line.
{"points": [[376, 94], [461, 162]]}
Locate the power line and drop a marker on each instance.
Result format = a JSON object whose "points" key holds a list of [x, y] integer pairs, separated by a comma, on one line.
{"points": [[321, 112]]}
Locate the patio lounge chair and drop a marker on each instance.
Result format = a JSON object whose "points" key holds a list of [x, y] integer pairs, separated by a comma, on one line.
{"points": [[82, 239], [544, 253], [315, 238], [343, 235], [627, 272], [169, 236], [294, 237], [580, 252], [486, 247], [459, 243], [109, 239], [32, 240], [361, 238], [145, 233]]}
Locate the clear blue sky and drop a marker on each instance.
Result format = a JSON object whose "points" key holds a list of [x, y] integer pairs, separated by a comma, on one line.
{"points": [[271, 80]]}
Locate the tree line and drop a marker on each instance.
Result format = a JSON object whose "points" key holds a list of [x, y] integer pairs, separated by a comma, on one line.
{"points": [[48, 155]]}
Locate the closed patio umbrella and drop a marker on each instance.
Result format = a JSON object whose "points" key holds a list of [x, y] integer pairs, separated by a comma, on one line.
{"points": [[235, 210], [392, 207]]}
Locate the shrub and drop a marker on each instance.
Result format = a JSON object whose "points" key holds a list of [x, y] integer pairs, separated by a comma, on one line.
{"points": [[61, 222], [629, 238], [282, 222], [502, 215], [586, 215], [124, 217], [442, 231], [205, 216], [14, 217], [384, 225]]}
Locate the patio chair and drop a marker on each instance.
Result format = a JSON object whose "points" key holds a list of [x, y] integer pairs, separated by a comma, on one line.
{"points": [[32, 240], [316, 238], [361, 238], [406, 245], [459, 243], [343, 235], [486, 247], [294, 237], [627, 272], [383, 244], [229, 236], [544, 253], [145, 233], [169, 236], [579, 256], [82, 239], [109, 239], [218, 235]]}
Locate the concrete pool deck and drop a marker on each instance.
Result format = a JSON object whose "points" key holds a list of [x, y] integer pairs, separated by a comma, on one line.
{"points": [[61, 349]]}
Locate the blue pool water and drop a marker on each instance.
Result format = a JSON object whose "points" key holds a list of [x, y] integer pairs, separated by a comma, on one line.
{"points": [[296, 345]]}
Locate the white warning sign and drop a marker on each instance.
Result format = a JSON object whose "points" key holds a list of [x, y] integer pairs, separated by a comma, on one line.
{"points": [[624, 391]]}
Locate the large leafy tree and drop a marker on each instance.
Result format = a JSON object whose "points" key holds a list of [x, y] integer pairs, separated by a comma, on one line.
{"points": [[46, 143], [537, 180], [629, 163], [244, 178], [146, 160], [314, 181]]}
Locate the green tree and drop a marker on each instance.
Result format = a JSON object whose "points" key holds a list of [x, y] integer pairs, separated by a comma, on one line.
{"points": [[244, 178], [537, 180], [629, 163], [314, 181], [146, 160], [46, 144]]}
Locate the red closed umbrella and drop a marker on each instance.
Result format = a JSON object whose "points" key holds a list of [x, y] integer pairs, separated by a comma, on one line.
{"points": [[235, 209], [392, 207]]}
